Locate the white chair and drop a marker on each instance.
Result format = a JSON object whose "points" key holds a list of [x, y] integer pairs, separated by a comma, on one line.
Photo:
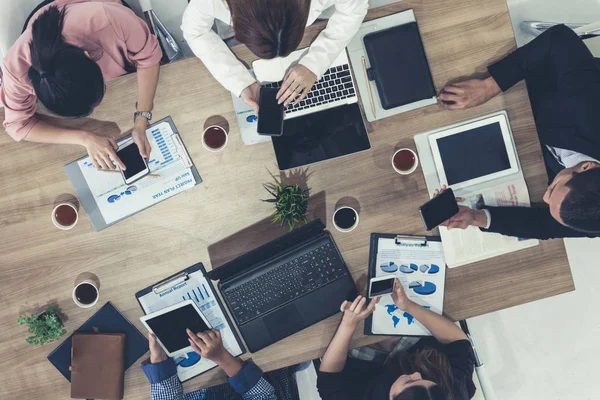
{"points": [[12, 17]]}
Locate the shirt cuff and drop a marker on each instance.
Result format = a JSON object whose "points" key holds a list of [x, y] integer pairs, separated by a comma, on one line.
{"points": [[242, 83], [312, 65], [489, 218], [157, 373], [247, 378]]}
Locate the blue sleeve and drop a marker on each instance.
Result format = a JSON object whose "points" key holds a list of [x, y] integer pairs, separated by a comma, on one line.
{"points": [[165, 384], [251, 385]]}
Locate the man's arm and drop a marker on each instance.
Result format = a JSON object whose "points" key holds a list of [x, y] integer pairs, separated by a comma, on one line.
{"points": [[557, 57], [530, 223]]}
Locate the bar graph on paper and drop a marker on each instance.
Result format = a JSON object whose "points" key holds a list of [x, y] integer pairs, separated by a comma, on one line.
{"points": [[206, 304]]}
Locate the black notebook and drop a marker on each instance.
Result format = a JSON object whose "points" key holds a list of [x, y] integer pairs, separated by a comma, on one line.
{"points": [[107, 320], [399, 66]]}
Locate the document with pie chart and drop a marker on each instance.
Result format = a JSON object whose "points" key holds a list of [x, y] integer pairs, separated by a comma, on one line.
{"points": [[420, 266]]}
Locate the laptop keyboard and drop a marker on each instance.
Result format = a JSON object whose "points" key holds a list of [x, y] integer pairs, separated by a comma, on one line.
{"points": [[284, 283], [336, 84]]}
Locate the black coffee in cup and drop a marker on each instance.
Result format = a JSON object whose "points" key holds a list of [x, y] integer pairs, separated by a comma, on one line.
{"points": [[345, 218], [86, 293]]}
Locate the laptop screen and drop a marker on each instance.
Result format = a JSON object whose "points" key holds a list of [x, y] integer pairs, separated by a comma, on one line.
{"points": [[320, 136]]}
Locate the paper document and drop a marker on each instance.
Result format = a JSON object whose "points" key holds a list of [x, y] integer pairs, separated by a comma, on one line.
{"points": [[196, 288], [422, 272], [470, 245], [116, 200]]}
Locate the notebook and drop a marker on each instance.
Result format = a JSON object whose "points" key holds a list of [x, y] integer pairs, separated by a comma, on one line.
{"points": [[399, 66], [107, 320], [97, 366]]}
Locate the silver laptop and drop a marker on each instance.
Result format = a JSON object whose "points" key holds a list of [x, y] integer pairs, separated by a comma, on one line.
{"points": [[335, 88]]}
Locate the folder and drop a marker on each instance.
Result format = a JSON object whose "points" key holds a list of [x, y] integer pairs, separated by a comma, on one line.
{"points": [[399, 65]]}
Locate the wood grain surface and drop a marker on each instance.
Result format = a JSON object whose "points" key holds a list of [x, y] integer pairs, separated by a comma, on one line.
{"points": [[224, 216]]}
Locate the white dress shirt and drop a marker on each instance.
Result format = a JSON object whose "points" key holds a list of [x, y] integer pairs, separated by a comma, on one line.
{"points": [[200, 16], [566, 158]]}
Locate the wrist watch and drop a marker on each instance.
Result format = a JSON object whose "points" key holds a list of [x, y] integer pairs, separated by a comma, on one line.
{"points": [[145, 114]]}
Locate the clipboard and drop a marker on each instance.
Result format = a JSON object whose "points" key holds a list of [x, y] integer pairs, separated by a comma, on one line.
{"points": [[86, 197], [420, 272], [179, 285]]}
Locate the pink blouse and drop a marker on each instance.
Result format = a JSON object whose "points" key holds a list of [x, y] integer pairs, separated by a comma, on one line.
{"points": [[113, 35]]}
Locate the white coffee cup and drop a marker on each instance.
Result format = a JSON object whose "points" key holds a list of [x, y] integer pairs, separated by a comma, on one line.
{"points": [[58, 224], [213, 149], [350, 229], [88, 282], [408, 171]]}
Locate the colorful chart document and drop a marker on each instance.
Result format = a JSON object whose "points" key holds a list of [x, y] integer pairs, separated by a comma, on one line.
{"points": [[419, 265], [106, 197], [193, 286]]}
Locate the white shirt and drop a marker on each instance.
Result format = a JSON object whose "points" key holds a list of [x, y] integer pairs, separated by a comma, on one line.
{"points": [[566, 158], [200, 16]]}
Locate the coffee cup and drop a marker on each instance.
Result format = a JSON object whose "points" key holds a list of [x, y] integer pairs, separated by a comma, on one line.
{"points": [[86, 293], [345, 219], [405, 161], [214, 138], [65, 216]]}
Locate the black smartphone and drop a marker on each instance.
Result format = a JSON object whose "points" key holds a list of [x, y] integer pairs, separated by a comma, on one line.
{"points": [[439, 209], [270, 114]]}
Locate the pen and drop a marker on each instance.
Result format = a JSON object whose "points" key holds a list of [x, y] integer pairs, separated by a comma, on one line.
{"points": [[117, 171], [364, 64]]}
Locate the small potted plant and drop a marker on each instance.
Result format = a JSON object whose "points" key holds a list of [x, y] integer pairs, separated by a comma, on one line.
{"points": [[291, 204], [44, 328]]}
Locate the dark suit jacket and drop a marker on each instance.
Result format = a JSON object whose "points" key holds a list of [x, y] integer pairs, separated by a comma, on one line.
{"points": [[563, 80]]}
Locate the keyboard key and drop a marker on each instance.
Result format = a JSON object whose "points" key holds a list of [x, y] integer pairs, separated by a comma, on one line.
{"points": [[322, 91], [338, 68], [351, 91], [334, 95], [345, 92], [343, 73], [327, 77], [345, 67], [346, 79], [319, 86], [310, 94], [338, 81], [328, 90], [340, 87], [321, 98], [348, 85], [327, 97]]}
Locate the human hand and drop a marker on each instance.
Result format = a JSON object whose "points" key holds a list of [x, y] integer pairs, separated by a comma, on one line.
{"points": [[399, 296], [250, 95], [297, 83], [157, 355], [101, 149], [139, 136], [468, 94], [208, 344], [355, 312], [466, 216]]}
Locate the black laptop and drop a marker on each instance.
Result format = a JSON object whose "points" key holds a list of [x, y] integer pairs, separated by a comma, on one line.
{"points": [[321, 136], [285, 286]]}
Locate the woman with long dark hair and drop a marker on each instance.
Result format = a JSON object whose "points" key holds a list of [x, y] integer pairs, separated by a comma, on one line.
{"points": [[67, 51], [270, 29], [438, 368]]}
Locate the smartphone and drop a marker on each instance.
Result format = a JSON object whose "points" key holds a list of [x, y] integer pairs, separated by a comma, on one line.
{"points": [[439, 209], [270, 114], [381, 285], [136, 165]]}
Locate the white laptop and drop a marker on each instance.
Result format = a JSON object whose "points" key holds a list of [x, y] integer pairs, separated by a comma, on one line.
{"points": [[335, 88]]}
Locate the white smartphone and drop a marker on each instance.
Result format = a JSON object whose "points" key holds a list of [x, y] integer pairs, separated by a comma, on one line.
{"points": [[137, 167], [170, 324], [381, 285]]}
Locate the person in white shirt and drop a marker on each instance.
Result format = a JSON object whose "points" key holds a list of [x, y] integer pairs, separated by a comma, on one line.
{"points": [[270, 28]]}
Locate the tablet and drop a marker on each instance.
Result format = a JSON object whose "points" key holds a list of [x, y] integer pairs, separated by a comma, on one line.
{"points": [[473, 153], [170, 324]]}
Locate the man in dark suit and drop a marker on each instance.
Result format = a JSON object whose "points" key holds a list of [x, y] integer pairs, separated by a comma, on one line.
{"points": [[563, 80]]}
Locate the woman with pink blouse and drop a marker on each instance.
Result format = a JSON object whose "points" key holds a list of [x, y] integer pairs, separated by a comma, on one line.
{"points": [[65, 55]]}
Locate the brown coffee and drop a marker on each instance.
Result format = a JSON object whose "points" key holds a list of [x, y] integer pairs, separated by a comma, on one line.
{"points": [[215, 138], [404, 160], [86, 293], [65, 215]]}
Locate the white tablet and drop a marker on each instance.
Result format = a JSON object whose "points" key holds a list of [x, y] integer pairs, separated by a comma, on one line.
{"points": [[170, 324], [476, 152]]}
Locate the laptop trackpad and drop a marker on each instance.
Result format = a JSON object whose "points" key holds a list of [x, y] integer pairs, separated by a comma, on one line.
{"points": [[284, 322]]}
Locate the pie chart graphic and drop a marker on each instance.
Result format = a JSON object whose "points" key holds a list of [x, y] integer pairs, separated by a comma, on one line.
{"points": [[423, 268], [389, 267], [414, 267], [434, 269], [405, 269], [423, 288], [188, 360]]}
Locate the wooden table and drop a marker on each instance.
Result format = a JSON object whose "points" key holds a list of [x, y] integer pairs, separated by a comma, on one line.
{"points": [[225, 216]]}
